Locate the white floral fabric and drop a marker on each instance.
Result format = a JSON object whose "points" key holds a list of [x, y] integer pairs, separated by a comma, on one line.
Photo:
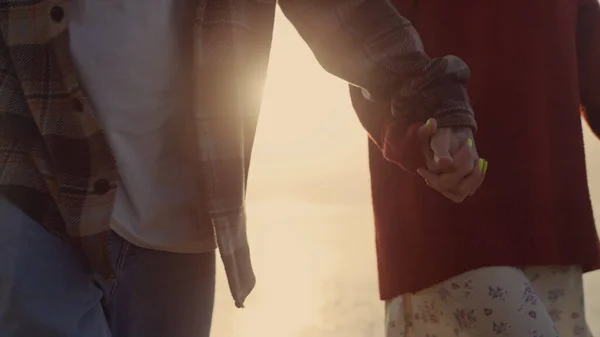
{"points": [[494, 301]]}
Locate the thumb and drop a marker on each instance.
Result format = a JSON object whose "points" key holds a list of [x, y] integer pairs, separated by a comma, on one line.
{"points": [[440, 146], [427, 130]]}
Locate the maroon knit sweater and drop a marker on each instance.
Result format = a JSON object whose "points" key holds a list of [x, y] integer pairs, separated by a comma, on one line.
{"points": [[533, 63]]}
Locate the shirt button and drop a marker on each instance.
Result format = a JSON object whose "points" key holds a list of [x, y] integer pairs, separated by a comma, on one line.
{"points": [[101, 186], [77, 105], [57, 13]]}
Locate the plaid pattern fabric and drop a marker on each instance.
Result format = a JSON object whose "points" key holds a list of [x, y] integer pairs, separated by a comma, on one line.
{"points": [[54, 159]]}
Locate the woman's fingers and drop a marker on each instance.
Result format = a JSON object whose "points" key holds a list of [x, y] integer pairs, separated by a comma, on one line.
{"points": [[426, 131], [446, 193], [453, 167], [440, 145], [462, 166], [473, 181]]}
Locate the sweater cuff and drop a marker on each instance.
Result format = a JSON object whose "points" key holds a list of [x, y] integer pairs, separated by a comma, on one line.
{"points": [[464, 118], [446, 100]]}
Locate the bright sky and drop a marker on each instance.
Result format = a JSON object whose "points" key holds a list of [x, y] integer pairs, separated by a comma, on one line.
{"points": [[309, 208], [307, 130]]}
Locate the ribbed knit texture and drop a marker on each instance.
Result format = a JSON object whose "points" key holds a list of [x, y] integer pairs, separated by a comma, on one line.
{"points": [[534, 207]]}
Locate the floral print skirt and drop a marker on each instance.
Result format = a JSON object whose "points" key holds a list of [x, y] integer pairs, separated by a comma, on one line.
{"points": [[494, 301]]}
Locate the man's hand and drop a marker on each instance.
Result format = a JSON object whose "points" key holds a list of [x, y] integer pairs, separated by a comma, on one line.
{"points": [[453, 166]]}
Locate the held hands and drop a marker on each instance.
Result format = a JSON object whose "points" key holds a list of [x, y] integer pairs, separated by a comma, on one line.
{"points": [[453, 166]]}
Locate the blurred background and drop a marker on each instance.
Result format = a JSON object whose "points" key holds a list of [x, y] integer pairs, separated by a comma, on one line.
{"points": [[309, 202]]}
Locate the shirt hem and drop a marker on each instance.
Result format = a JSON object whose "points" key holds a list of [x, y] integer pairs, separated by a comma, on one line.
{"points": [[201, 246]]}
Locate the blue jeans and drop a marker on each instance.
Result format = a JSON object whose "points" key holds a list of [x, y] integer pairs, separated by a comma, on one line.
{"points": [[46, 290]]}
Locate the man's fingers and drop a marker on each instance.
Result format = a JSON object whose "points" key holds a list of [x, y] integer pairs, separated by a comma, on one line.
{"points": [[426, 131], [440, 145]]}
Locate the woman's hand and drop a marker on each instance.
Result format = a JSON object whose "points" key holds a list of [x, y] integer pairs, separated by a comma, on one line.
{"points": [[453, 166]]}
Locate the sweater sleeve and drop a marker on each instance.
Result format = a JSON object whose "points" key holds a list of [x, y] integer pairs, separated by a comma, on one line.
{"points": [[588, 52], [368, 44]]}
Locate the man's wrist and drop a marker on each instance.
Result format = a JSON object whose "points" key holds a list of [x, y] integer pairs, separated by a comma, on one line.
{"points": [[462, 119]]}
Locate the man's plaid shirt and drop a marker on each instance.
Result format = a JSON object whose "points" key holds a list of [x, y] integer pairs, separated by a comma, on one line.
{"points": [[55, 163]]}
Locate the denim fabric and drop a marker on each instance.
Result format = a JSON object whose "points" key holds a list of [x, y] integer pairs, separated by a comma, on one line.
{"points": [[47, 290]]}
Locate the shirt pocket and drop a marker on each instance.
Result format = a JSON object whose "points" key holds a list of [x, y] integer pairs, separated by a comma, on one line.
{"points": [[34, 22]]}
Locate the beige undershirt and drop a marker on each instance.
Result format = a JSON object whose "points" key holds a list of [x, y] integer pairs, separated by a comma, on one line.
{"points": [[133, 59]]}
